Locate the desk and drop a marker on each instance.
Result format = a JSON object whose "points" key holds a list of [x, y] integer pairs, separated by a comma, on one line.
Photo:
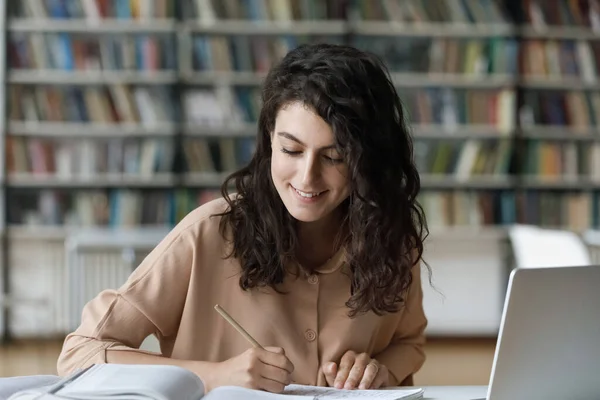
{"points": [[454, 392]]}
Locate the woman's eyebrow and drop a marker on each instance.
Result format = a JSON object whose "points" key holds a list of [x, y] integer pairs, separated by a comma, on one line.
{"points": [[289, 136]]}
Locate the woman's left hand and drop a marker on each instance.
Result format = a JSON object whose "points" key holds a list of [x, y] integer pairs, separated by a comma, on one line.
{"points": [[356, 371]]}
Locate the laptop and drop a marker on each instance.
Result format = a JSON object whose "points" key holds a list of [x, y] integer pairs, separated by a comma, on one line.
{"points": [[549, 340]]}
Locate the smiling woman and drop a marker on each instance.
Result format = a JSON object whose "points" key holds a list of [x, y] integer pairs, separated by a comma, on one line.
{"points": [[317, 254], [333, 171]]}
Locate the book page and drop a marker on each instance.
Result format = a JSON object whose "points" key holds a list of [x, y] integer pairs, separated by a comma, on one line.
{"points": [[327, 393], [240, 393], [302, 392]]}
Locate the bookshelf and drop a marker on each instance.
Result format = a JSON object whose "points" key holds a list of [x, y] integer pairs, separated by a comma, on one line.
{"points": [[123, 114]]}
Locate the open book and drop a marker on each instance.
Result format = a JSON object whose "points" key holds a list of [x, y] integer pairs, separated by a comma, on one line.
{"points": [[163, 382]]}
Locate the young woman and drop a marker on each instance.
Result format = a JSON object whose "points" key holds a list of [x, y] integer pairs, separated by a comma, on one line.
{"points": [[317, 254]]}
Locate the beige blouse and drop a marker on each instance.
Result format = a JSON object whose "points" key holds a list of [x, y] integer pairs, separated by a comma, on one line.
{"points": [[172, 295]]}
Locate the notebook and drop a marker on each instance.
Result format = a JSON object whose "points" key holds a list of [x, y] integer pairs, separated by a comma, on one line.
{"points": [[165, 382]]}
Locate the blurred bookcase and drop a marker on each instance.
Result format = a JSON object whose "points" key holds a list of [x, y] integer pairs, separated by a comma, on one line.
{"points": [[127, 114]]}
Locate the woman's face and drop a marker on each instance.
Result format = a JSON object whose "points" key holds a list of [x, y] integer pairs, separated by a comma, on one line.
{"points": [[308, 172]]}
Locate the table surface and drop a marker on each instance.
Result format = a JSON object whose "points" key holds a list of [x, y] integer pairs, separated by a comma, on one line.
{"points": [[455, 392]]}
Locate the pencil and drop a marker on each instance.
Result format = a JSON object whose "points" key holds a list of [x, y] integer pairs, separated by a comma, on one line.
{"points": [[237, 326]]}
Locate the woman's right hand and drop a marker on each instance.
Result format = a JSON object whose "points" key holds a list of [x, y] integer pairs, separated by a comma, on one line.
{"points": [[267, 369]]}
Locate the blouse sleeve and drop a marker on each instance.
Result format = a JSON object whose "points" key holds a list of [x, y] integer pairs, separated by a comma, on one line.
{"points": [[405, 356], [150, 302]]}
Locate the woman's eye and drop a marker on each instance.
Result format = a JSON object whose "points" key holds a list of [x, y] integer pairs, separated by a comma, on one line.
{"points": [[290, 152], [333, 160]]}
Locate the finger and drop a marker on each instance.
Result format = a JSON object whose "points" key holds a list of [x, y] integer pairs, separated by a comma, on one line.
{"points": [[355, 375], [276, 350], [382, 378], [329, 370], [370, 373], [357, 371], [344, 369], [270, 385], [276, 360], [275, 374]]}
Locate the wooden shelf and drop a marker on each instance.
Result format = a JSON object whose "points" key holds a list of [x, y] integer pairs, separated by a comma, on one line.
{"points": [[204, 179], [454, 30], [493, 81], [458, 132], [557, 83], [90, 26], [245, 130], [223, 78], [558, 183], [558, 32], [566, 133], [60, 77], [448, 181], [245, 27], [87, 130], [29, 180]]}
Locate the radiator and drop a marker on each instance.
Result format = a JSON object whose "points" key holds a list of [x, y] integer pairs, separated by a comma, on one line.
{"points": [[99, 260], [38, 286]]}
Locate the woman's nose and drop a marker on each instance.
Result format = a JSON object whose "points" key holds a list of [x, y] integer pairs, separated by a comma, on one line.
{"points": [[310, 170]]}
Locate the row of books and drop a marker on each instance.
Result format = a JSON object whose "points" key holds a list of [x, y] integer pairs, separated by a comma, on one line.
{"points": [[553, 59], [463, 159], [151, 52], [538, 13], [547, 159], [218, 155], [203, 10], [244, 52], [221, 106], [543, 13], [123, 157], [541, 159], [578, 110], [224, 105], [148, 105], [449, 208], [420, 55], [210, 11], [460, 11], [87, 158], [451, 107], [559, 59], [93, 10], [469, 56], [576, 211], [132, 104], [80, 52], [113, 208]]}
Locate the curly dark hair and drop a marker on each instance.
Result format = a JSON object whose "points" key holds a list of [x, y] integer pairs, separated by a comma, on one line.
{"points": [[384, 225]]}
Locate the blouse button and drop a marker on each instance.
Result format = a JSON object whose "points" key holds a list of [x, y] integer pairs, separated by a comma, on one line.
{"points": [[310, 335], [313, 279]]}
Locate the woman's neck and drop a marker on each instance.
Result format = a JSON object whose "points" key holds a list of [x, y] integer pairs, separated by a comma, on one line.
{"points": [[317, 241]]}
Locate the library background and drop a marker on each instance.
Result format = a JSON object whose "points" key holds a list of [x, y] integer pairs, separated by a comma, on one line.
{"points": [[121, 116]]}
